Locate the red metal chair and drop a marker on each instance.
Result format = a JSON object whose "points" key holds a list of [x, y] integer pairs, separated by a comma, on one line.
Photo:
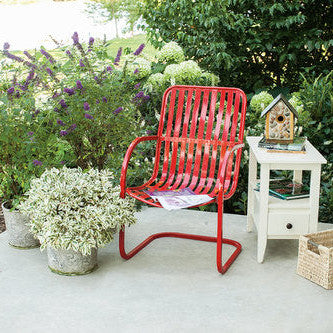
{"points": [[198, 145]]}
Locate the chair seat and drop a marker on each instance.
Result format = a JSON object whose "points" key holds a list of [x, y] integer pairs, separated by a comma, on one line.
{"points": [[140, 194]]}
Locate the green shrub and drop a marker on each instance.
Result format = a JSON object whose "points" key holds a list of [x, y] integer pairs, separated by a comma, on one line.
{"points": [[316, 95], [24, 141], [248, 44], [87, 99]]}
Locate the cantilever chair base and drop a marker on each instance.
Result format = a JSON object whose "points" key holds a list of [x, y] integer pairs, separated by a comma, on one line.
{"points": [[221, 268]]}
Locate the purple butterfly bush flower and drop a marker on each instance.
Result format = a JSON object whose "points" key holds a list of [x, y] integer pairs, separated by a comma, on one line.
{"points": [[12, 56], [69, 91], [79, 84], [56, 109], [62, 162], [69, 54], [17, 94], [37, 163], [81, 63], [109, 69], [136, 71], [105, 100], [60, 122], [88, 116], [148, 132], [30, 75], [86, 106], [30, 133], [35, 113], [56, 95], [63, 104], [97, 101], [91, 41], [139, 49], [47, 56], [72, 127], [63, 133], [118, 110], [137, 86], [28, 55], [117, 59], [139, 95], [16, 58], [75, 38], [6, 46], [10, 91], [23, 87], [49, 71]]}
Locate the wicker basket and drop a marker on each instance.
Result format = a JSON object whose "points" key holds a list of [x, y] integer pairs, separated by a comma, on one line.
{"points": [[315, 258]]}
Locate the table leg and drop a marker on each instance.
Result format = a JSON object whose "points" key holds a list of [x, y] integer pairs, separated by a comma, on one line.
{"points": [[250, 195], [263, 212], [314, 198], [297, 176]]}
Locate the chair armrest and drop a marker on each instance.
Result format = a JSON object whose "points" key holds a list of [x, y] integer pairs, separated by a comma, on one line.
{"points": [[226, 159], [127, 158]]}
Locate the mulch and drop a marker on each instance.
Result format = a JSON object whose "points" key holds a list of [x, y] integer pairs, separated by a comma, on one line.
{"points": [[2, 221]]}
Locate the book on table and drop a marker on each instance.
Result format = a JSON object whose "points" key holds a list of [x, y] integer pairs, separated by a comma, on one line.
{"points": [[286, 190], [297, 146], [177, 199]]}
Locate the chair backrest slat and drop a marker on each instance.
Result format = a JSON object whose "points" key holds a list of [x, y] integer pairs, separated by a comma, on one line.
{"points": [[196, 126]]}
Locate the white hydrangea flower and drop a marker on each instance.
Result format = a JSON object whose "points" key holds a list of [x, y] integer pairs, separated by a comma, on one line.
{"points": [[139, 67], [190, 70], [172, 71], [155, 81], [187, 72], [209, 79], [171, 53], [296, 103], [260, 101]]}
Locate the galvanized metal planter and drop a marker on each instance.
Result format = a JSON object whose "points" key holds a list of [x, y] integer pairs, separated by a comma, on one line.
{"points": [[69, 262], [17, 226]]}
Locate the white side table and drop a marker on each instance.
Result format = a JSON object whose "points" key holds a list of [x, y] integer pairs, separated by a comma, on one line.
{"points": [[275, 218]]}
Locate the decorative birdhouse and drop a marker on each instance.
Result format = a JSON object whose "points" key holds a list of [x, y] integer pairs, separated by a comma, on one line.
{"points": [[280, 119]]}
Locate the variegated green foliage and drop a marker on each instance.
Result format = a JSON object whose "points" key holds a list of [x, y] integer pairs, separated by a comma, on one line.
{"points": [[73, 209]]}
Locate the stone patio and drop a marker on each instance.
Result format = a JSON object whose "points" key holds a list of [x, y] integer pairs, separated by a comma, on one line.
{"points": [[171, 286]]}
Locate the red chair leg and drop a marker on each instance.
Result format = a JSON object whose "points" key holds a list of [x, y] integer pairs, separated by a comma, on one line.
{"points": [[220, 241]]}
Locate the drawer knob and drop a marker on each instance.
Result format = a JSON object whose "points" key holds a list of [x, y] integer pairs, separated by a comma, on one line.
{"points": [[289, 226]]}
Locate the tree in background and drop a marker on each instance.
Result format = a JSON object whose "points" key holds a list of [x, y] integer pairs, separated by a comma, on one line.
{"points": [[248, 43], [116, 9], [108, 9]]}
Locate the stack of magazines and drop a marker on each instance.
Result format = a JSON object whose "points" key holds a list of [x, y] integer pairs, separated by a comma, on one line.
{"points": [[177, 199], [286, 190], [298, 146]]}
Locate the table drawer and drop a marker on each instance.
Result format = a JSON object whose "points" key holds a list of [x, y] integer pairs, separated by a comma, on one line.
{"points": [[288, 224]]}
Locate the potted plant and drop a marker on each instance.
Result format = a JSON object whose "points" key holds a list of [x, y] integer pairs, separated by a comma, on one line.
{"points": [[73, 213]]}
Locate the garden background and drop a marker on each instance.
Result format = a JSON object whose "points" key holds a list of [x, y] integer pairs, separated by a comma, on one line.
{"points": [[48, 95]]}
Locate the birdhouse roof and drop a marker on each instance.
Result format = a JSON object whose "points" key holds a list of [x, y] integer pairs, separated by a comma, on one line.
{"points": [[275, 101]]}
